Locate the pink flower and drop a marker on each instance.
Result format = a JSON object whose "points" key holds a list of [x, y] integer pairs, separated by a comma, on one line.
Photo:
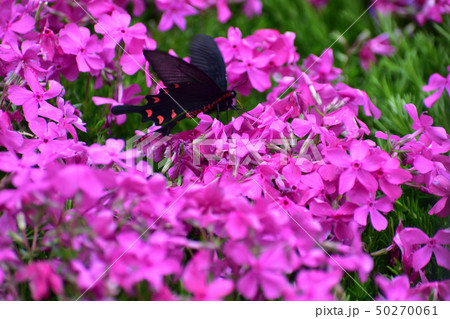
{"points": [[354, 165], [42, 277], [46, 132], [372, 207], [439, 290], [280, 45], [71, 118], [252, 7], [149, 261], [230, 46], [379, 45], [353, 258], [115, 27], [432, 10], [8, 137], [174, 12], [389, 173], [335, 221], [110, 152], [434, 245], [315, 187], [441, 187], [133, 59], [19, 60], [321, 69], [437, 83], [13, 23], [87, 275], [78, 178], [398, 289], [34, 102], [78, 41], [318, 3], [265, 272], [353, 127], [355, 97], [48, 41], [100, 7], [223, 12], [317, 284], [251, 65], [21, 168], [195, 279], [386, 6], [423, 125], [65, 64], [302, 127]]}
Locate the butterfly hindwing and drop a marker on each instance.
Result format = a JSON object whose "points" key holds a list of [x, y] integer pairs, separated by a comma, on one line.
{"points": [[170, 102]]}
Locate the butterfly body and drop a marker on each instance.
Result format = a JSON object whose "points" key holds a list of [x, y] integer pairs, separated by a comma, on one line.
{"points": [[222, 103], [191, 88]]}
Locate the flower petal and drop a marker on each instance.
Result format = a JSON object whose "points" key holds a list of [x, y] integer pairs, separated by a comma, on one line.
{"points": [[338, 157], [421, 257], [413, 236], [430, 100], [443, 237], [442, 256], [379, 222], [19, 95], [347, 180]]}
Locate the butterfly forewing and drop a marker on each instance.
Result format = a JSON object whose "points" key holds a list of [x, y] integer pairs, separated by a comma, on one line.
{"points": [[173, 70], [206, 56]]}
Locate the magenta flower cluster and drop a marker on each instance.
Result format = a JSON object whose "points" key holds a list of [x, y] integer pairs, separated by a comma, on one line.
{"points": [[437, 83], [421, 10], [176, 11], [252, 60], [379, 45], [269, 206]]}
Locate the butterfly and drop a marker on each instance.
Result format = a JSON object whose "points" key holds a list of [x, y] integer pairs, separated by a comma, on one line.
{"points": [[191, 88]]}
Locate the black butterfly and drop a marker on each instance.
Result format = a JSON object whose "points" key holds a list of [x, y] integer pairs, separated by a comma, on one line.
{"points": [[191, 88]]}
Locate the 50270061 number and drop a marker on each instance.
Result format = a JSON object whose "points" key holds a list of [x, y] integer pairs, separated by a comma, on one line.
{"points": [[406, 310]]}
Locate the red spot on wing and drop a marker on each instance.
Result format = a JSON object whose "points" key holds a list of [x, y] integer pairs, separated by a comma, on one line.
{"points": [[149, 112], [176, 85], [160, 118], [156, 99], [173, 114]]}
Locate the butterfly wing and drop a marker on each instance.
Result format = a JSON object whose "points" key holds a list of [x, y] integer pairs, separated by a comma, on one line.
{"points": [[173, 70], [175, 100], [206, 56]]}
